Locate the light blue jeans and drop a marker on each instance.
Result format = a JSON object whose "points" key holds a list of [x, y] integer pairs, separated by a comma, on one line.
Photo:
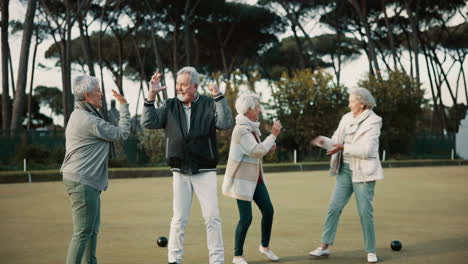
{"points": [[86, 206], [344, 188]]}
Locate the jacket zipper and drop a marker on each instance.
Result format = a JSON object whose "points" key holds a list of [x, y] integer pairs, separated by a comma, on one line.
{"points": [[211, 151], [167, 148]]}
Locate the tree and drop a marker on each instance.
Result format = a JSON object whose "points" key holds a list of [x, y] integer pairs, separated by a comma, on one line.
{"points": [[400, 103], [50, 97], [6, 108], [60, 20], [339, 48], [235, 36], [296, 14], [308, 105], [23, 66]]}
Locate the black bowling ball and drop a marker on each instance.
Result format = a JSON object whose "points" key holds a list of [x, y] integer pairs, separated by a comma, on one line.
{"points": [[396, 245], [161, 241]]}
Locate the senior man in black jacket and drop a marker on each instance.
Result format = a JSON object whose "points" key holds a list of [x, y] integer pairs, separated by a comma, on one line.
{"points": [[190, 122]]}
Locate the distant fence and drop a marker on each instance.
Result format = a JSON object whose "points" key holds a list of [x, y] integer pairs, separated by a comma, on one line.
{"points": [[46, 149], [46, 145]]}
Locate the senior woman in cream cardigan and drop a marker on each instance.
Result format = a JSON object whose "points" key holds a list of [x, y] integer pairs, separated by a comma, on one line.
{"points": [[244, 179], [355, 162]]}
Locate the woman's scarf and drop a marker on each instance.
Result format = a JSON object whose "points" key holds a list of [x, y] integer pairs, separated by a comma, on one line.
{"points": [[352, 126], [85, 106], [253, 125]]}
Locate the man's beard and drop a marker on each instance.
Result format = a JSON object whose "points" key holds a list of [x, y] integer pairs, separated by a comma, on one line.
{"points": [[182, 98]]}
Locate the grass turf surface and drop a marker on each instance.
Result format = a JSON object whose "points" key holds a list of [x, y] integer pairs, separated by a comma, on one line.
{"points": [[425, 208]]}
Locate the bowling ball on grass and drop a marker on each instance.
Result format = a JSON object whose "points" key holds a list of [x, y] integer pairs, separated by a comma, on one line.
{"points": [[161, 241]]}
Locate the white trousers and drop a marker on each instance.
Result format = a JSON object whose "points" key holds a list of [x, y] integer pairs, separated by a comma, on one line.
{"points": [[204, 185]]}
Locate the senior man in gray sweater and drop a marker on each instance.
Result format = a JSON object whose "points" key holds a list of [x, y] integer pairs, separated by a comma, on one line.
{"points": [[85, 172]]}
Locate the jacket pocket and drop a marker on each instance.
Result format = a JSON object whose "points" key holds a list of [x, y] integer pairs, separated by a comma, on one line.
{"points": [[368, 166]]}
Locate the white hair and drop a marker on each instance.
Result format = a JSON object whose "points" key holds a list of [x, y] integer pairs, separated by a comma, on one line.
{"points": [[192, 72], [84, 84], [364, 97], [246, 102]]}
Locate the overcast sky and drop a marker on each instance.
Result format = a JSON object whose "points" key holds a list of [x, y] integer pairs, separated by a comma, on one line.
{"points": [[351, 73]]}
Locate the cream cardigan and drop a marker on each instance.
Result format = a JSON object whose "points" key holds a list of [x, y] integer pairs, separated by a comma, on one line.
{"points": [[363, 150], [244, 163]]}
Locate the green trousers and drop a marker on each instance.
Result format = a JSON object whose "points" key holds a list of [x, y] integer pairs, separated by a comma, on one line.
{"points": [[86, 206], [262, 199], [364, 192]]}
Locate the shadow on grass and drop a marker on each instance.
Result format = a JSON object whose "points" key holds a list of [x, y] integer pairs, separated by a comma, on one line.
{"points": [[410, 250]]}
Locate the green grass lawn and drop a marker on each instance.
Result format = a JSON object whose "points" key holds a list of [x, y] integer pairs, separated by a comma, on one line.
{"points": [[426, 208]]}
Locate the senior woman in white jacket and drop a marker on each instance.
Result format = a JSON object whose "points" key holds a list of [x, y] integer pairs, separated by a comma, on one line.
{"points": [[355, 162], [244, 179]]}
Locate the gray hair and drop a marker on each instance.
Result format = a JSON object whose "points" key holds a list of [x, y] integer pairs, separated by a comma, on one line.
{"points": [[192, 72], [246, 102], [84, 84], [363, 96]]}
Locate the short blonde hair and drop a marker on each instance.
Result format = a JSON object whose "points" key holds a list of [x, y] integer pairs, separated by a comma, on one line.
{"points": [[364, 97], [246, 102]]}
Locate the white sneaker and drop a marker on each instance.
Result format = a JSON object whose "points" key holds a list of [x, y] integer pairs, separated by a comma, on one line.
{"points": [[239, 260], [269, 254], [319, 252], [371, 258]]}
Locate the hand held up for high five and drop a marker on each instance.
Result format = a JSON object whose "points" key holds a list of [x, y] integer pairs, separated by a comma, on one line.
{"points": [[213, 88], [119, 97], [155, 86], [276, 129]]}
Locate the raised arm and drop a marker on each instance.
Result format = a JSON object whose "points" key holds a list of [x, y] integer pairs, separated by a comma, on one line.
{"points": [[109, 132], [152, 117], [257, 150], [223, 113]]}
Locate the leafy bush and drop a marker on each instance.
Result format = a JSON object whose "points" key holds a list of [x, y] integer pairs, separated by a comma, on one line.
{"points": [[152, 143], [39, 156], [308, 105]]}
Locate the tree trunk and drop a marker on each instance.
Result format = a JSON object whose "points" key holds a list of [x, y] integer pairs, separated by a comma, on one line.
{"points": [[23, 66], [86, 48], [119, 77], [31, 82], [159, 63], [438, 63], [101, 32], [434, 99], [67, 64], [299, 48], [415, 35], [6, 108], [362, 13], [390, 33], [187, 24], [12, 76], [174, 55]]}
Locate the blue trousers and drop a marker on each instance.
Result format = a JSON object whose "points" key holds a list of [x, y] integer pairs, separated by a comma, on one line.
{"points": [[364, 192]]}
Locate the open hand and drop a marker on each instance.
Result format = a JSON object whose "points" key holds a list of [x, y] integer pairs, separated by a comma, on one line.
{"points": [[154, 86], [213, 88], [119, 97]]}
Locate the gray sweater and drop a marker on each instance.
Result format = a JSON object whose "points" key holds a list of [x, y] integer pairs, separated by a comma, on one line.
{"points": [[87, 146]]}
